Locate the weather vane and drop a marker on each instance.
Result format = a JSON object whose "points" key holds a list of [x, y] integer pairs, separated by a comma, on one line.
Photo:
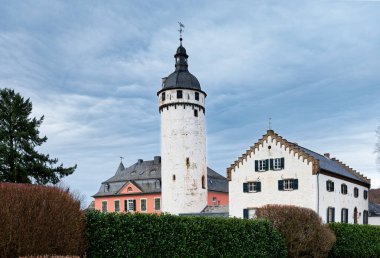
{"points": [[121, 159], [181, 26]]}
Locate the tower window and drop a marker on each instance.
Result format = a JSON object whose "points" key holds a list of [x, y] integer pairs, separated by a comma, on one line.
{"points": [[163, 96], [196, 95], [173, 177], [179, 94], [195, 113], [203, 182], [187, 162]]}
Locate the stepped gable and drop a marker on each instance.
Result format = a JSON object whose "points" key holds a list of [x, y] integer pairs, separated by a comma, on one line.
{"points": [[319, 161]]}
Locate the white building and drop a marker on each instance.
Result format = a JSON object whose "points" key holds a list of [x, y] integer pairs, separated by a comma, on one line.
{"points": [[183, 140], [276, 171]]}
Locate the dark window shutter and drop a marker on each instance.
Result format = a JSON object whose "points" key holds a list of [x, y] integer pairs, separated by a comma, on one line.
{"points": [[280, 185], [282, 163], [271, 164], [125, 205], [266, 164], [134, 205], [328, 215], [258, 186], [346, 216], [295, 184], [245, 187], [332, 186], [245, 213], [333, 214], [341, 216], [327, 185], [256, 165]]}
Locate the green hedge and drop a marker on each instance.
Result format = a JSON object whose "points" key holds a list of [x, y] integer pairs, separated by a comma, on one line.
{"points": [[147, 235], [356, 240]]}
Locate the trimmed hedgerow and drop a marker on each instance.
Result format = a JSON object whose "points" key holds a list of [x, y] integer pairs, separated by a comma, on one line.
{"points": [[147, 235], [304, 233], [39, 220], [356, 240]]}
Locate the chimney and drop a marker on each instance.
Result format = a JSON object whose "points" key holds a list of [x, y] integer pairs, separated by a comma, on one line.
{"points": [[139, 161], [327, 155], [157, 159]]}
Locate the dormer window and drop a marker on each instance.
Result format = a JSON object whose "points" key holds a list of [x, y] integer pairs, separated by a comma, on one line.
{"points": [[163, 96], [107, 188], [179, 94]]}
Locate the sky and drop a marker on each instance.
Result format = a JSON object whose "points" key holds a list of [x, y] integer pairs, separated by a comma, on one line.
{"points": [[93, 69]]}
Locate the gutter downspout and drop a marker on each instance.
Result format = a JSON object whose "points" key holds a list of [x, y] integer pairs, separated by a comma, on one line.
{"points": [[318, 193]]}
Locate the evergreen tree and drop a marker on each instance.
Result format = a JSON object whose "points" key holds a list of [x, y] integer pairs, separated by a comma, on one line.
{"points": [[19, 136]]}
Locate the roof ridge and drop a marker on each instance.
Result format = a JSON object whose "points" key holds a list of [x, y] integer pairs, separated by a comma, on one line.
{"points": [[291, 146], [351, 170]]}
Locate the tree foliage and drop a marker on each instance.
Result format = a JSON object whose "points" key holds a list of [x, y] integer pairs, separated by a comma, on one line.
{"points": [[20, 162]]}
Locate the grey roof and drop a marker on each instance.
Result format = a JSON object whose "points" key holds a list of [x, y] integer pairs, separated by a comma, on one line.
{"points": [[146, 175], [181, 77], [332, 166], [374, 209]]}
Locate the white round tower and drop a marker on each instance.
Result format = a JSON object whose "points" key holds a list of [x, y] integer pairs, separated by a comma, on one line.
{"points": [[183, 140]]}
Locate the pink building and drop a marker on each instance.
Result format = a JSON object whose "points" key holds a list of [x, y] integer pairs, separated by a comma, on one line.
{"points": [[138, 189]]}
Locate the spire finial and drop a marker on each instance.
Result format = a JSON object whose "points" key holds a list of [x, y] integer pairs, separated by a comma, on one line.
{"points": [[181, 26], [270, 123], [121, 159]]}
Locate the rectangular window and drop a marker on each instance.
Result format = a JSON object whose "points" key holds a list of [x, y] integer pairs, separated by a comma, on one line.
{"points": [[143, 204], [356, 192], [261, 165], [117, 206], [130, 205], [249, 213], [104, 206], [365, 194], [329, 186], [288, 184], [330, 214], [163, 96], [214, 200], [195, 113], [344, 216], [277, 164], [179, 94], [343, 189], [254, 187], [196, 95], [157, 204]]}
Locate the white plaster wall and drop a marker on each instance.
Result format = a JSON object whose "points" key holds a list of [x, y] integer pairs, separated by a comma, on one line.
{"points": [[374, 221], [295, 168], [338, 201], [183, 136]]}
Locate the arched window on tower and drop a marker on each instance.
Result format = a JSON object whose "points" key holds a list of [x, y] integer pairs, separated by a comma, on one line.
{"points": [[203, 182]]}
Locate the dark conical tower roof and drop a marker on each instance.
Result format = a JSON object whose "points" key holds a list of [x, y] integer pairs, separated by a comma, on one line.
{"points": [[181, 77]]}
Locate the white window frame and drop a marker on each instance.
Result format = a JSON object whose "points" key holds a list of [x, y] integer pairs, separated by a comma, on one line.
{"points": [[114, 206], [129, 203], [155, 207], [214, 200], [288, 184], [277, 164], [146, 204], [252, 187], [252, 213], [344, 215], [104, 202], [261, 165], [331, 218]]}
